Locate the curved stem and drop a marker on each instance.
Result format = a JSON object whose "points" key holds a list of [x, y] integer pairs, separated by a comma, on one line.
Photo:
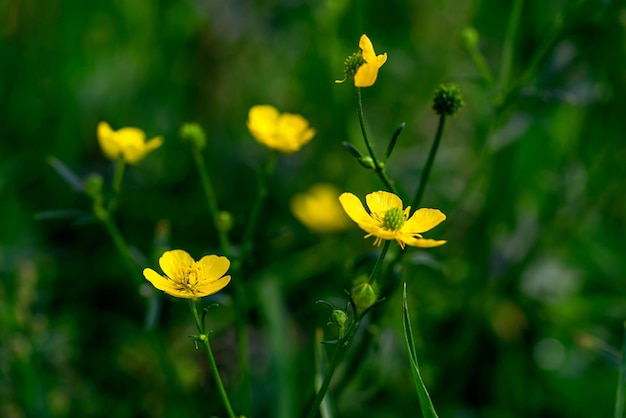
{"points": [[207, 348], [342, 345], [429, 163], [378, 166]]}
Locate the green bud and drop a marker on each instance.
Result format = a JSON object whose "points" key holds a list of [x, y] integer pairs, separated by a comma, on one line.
{"points": [[447, 99], [363, 297], [352, 150], [193, 133], [93, 185], [367, 162], [224, 221], [470, 37], [340, 318]]}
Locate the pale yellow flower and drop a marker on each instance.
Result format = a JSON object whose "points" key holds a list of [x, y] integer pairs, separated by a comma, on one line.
{"points": [[126, 143], [387, 220], [187, 278], [284, 132], [319, 210]]}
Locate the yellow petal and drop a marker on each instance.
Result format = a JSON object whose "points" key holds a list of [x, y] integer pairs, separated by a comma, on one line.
{"points": [[423, 220], [366, 75], [108, 142], [367, 49], [355, 210], [211, 268], [154, 143], [160, 282], [175, 261], [209, 288], [262, 123], [382, 201], [423, 242]]}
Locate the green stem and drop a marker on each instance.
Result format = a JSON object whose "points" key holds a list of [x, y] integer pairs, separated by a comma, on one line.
{"points": [[241, 329], [122, 248], [509, 43], [262, 192], [211, 202], [378, 166], [118, 175], [379, 262], [619, 399], [481, 65], [343, 343], [429, 163], [207, 348]]}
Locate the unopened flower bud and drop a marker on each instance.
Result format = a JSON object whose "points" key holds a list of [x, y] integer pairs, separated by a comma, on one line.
{"points": [[363, 297], [224, 221], [470, 37], [93, 185], [447, 100], [194, 134], [367, 162], [340, 318]]}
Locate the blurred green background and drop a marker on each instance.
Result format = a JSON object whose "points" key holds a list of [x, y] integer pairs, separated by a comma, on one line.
{"points": [[515, 317]]}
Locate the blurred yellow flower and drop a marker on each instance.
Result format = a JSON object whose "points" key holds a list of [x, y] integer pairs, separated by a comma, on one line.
{"points": [[387, 220], [366, 74], [319, 210], [128, 144], [187, 278], [284, 132]]}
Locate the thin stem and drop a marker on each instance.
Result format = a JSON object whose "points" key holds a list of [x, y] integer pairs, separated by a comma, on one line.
{"points": [[481, 65], [619, 399], [380, 169], [343, 343], [429, 163], [211, 202], [509, 44], [122, 248], [207, 348], [262, 192], [118, 175], [379, 262]]}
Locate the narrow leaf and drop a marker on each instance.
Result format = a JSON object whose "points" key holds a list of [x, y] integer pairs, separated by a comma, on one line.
{"points": [[66, 174], [426, 405]]}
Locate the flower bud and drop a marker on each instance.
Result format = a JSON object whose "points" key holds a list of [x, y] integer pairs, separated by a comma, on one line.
{"points": [[470, 37], [224, 221], [363, 297], [340, 318], [93, 185], [447, 99], [367, 162], [193, 133]]}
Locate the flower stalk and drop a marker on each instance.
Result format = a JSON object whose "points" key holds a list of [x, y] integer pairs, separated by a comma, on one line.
{"points": [[204, 339]]}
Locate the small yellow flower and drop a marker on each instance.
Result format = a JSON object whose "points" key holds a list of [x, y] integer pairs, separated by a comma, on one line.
{"points": [[284, 132], [128, 144], [187, 278], [366, 74], [319, 210], [387, 220]]}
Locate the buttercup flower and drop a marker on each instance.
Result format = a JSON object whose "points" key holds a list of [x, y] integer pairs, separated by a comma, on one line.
{"points": [[363, 66], [387, 220], [189, 279], [284, 132], [319, 210], [127, 143]]}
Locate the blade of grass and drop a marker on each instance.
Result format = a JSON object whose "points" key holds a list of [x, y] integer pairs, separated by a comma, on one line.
{"points": [[321, 362], [426, 405], [619, 399]]}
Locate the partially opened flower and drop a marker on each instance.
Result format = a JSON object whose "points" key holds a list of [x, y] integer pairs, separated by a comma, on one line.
{"points": [[187, 278], [126, 143], [319, 210], [362, 67], [284, 132], [387, 220]]}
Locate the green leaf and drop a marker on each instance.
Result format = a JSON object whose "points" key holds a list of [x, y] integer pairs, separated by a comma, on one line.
{"points": [[426, 405], [66, 174]]}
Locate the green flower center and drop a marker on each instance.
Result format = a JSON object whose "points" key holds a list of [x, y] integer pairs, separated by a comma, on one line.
{"points": [[393, 219], [352, 64]]}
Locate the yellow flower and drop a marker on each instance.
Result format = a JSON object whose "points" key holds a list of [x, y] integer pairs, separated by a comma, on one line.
{"points": [[189, 279], [366, 74], [319, 210], [388, 220], [284, 132], [128, 144]]}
